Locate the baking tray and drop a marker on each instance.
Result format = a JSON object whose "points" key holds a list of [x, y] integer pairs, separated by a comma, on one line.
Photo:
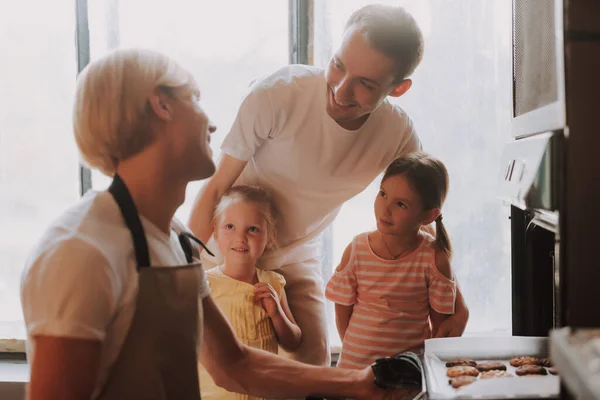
{"points": [[503, 348]]}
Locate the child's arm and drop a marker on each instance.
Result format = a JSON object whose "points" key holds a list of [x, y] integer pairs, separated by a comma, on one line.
{"points": [[287, 330], [436, 320], [342, 318], [453, 325], [343, 312], [441, 323]]}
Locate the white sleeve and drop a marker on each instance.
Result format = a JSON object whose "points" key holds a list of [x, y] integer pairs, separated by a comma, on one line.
{"points": [[197, 252], [252, 126], [412, 143], [69, 291], [204, 289]]}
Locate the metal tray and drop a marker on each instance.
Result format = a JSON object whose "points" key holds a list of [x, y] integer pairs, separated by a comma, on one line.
{"points": [[502, 348]]}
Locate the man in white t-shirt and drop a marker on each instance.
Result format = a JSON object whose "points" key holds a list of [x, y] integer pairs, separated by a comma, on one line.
{"points": [[316, 138]]}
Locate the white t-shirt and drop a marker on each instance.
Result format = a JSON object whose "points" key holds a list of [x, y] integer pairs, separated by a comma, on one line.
{"points": [[310, 163], [81, 279]]}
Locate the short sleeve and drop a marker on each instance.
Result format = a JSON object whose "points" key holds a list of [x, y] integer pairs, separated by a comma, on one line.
{"points": [[70, 290], [204, 287], [442, 292], [277, 281], [341, 288], [412, 143], [252, 126]]}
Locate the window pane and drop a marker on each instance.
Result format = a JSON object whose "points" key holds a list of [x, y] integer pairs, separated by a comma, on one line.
{"points": [[460, 103], [225, 44], [38, 158]]}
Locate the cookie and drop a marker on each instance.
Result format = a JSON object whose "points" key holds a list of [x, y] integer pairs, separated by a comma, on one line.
{"points": [[491, 365], [553, 370], [461, 381], [519, 361], [545, 362], [496, 374], [531, 370], [461, 361], [462, 370]]}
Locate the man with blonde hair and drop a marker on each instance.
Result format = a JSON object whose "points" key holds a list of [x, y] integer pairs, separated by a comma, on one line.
{"points": [[316, 138]]}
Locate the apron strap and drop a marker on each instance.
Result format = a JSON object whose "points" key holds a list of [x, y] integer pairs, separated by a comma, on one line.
{"points": [[123, 198], [184, 239]]}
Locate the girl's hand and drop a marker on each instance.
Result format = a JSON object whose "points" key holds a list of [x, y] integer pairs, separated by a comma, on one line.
{"points": [[452, 326], [267, 296]]}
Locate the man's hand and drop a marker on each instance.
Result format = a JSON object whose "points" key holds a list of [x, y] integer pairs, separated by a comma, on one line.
{"points": [[373, 392]]}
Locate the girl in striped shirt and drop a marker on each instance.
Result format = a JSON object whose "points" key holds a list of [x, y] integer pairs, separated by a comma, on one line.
{"points": [[394, 286]]}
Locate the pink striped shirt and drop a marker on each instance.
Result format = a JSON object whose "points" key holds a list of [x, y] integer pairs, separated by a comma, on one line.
{"points": [[391, 301]]}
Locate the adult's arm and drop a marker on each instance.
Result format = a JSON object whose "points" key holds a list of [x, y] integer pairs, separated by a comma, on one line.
{"points": [[228, 170], [239, 368], [64, 368]]}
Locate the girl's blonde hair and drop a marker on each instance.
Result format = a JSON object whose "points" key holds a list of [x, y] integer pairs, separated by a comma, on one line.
{"points": [[256, 196], [111, 111], [429, 177]]}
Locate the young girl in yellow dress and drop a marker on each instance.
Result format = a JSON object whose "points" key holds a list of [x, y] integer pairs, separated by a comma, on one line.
{"points": [[253, 300]]}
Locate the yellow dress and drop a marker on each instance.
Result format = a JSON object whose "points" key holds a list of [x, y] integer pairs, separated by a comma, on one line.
{"points": [[249, 320]]}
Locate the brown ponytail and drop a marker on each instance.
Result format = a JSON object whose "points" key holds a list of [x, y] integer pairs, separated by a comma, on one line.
{"points": [[442, 239], [429, 177]]}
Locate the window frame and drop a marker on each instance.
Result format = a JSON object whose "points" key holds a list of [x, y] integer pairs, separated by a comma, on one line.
{"points": [[14, 349], [82, 45]]}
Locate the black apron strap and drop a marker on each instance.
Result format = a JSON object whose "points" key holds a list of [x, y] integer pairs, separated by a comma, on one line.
{"points": [[184, 239], [123, 198]]}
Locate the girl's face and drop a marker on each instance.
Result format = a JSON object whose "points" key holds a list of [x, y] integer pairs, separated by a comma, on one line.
{"points": [[242, 233], [399, 208]]}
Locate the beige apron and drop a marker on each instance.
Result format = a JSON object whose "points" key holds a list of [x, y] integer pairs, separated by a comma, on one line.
{"points": [[158, 359]]}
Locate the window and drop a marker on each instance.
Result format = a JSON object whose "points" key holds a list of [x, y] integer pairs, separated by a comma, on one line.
{"points": [[460, 103], [224, 50], [39, 178], [38, 158]]}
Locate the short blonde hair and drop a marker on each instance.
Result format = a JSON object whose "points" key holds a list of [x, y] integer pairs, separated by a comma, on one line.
{"points": [[253, 195], [110, 115]]}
